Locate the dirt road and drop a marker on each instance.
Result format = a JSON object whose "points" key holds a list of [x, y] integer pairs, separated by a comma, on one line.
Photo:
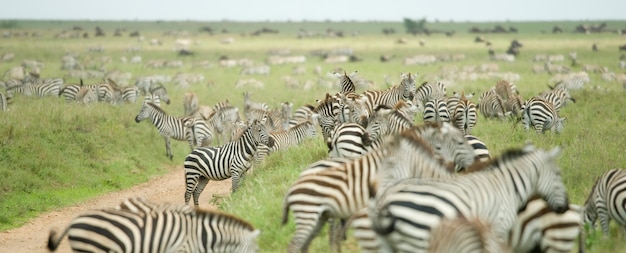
{"points": [[33, 236]]}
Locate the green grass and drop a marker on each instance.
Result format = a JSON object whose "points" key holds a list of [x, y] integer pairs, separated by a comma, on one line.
{"points": [[54, 154]]}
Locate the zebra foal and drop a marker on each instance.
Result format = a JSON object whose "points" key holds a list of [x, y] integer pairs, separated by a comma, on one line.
{"points": [[231, 160], [138, 225]]}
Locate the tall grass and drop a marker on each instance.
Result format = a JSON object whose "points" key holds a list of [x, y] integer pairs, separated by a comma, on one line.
{"points": [[54, 154]]}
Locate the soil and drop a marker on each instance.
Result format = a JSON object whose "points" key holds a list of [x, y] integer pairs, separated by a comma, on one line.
{"points": [[33, 237]]}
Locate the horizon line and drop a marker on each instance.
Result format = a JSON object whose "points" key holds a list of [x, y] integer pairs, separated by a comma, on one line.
{"points": [[308, 20]]}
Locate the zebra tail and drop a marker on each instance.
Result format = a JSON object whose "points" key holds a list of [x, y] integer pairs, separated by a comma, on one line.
{"points": [[55, 239], [285, 212]]}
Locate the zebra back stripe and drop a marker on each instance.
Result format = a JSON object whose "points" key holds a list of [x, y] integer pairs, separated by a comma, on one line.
{"points": [[141, 226]]}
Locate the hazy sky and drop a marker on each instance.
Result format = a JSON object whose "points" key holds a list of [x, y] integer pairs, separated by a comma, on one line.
{"points": [[297, 10]]}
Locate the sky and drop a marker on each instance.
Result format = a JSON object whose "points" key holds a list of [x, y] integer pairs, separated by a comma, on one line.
{"points": [[315, 10]]}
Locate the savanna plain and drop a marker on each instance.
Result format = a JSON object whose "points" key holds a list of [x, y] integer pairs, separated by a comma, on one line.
{"points": [[55, 154]]}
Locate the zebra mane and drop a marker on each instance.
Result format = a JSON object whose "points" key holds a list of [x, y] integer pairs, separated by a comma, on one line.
{"points": [[156, 107], [507, 155]]}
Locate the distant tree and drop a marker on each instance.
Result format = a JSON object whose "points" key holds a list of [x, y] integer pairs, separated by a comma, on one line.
{"points": [[414, 27]]}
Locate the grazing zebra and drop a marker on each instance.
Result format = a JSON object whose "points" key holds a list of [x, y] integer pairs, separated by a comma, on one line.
{"points": [[404, 213], [40, 88], [168, 126], [465, 115], [436, 111], [337, 188], [198, 132], [465, 235], [429, 91], [539, 229], [607, 201], [349, 140], [138, 225], [231, 160], [86, 96], [491, 105], [559, 96], [542, 115], [282, 140]]}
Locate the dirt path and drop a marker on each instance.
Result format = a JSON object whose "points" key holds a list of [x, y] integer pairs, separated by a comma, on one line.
{"points": [[33, 236]]}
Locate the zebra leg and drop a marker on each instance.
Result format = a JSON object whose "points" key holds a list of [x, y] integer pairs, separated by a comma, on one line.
{"points": [[168, 150], [191, 182], [335, 234], [236, 175], [202, 182], [605, 221], [305, 232]]}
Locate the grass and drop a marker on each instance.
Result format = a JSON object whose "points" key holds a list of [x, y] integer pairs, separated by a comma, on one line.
{"points": [[54, 154]]}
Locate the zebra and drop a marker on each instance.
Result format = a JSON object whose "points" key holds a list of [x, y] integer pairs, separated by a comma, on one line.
{"points": [[542, 115], [248, 105], [168, 126], [428, 91], [539, 229], [386, 121], [405, 91], [452, 101], [69, 92], [40, 88], [403, 214], [465, 235], [222, 119], [559, 96], [86, 96], [152, 98], [346, 83], [465, 115], [606, 201], [282, 140], [349, 140], [198, 132], [327, 109], [436, 111], [130, 94], [336, 188], [231, 160], [138, 225], [160, 91], [491, 105], [301, 114]]}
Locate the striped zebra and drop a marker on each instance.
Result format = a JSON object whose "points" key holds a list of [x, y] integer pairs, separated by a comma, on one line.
{"points": [[160, 91], [168, 126], [349, 140], [453, 100], [542, 115], [302, 114], [345, 82], [465, 235], [152, 98], [336, 188], [465, 115], [539, 229], [404, 213], [559, 96], [249, 104], [386, 121], [428, 91], [138, 225], [607, 200], [282, 140], [3, 102], [69, 92], [86, 96], [130, 94], [327, 110], [198, 132], [231, 160], [390, 97], [491, 105], [436, 112], [40, 88], [222, 119]]}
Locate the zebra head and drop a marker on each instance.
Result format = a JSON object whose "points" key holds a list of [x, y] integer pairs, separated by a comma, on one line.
{"points": [[378, 123], [145, 112], [408, 82], [549, 183], [450, 143], [259, 131]]}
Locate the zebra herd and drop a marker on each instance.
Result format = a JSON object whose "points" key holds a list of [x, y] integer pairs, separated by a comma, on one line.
{"points": [[401, 186]]}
